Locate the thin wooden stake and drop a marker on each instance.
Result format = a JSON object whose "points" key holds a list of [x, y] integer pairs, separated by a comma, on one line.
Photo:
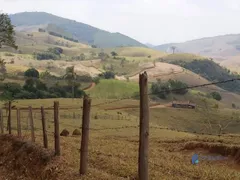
{"points": [[144, 128], [19, 123], [45, 139], [9, 124], [85, 135], [31, 123], [1, 121], [56, 128]]}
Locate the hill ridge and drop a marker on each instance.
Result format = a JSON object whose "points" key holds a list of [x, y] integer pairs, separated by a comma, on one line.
{"points": [[85, 33]]}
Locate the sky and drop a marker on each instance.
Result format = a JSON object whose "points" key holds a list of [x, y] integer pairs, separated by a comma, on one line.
{"points": [[148, 21]]}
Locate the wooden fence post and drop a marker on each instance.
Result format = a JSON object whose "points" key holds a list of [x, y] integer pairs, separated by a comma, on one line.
{"points": [[31, 123], [144, 128], [19, 123], [45, 139], [1, 121], [85, 135], [56, 128], [9, 123]]}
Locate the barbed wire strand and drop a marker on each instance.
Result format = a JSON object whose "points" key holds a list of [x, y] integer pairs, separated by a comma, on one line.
{"points": [[172, 90]]}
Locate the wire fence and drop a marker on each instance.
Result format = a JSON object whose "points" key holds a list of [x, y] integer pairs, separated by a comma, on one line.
{"points": [[70, 117]]}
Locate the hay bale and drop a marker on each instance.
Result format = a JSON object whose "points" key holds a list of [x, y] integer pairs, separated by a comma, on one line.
{"points": [[64, 132], [76, 132]]}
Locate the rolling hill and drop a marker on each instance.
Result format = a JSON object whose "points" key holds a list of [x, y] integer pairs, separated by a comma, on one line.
{"points": [[223, 49], [219, 46], [82, 32]]}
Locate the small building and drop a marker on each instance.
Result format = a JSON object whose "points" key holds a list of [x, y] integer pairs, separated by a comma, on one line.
{"points": [[187, 104]]}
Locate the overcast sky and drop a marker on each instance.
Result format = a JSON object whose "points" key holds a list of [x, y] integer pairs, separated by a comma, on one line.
{"points": [[153, 21]]}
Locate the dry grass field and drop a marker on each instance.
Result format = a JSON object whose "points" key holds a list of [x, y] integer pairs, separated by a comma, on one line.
{"points": [[114, 142]]}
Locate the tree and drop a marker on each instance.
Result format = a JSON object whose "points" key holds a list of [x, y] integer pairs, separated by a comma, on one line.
{"points": [[173, 48], [103, 56], [175, 84], [122, 62], [114, 54], [56, 50], [6, 32], [160, 89], [70, 77], [216, 96], [82, 56], [107, 75], [32, 73], [3, 70]]}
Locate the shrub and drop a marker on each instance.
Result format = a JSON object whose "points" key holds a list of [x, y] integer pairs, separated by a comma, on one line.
{"points": [[216, 96], [175, 84], [55, 50], [46, 56], [107, 75], [25, 95], [160, 89]]}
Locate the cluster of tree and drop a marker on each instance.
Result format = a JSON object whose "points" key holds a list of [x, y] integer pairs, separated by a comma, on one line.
{"points": [[34, 88], [52, 53], [103, 56], [163, 89], [65, 37], [81, 57], [216, 95], [107, 75], [114, 54], [211, 71]]}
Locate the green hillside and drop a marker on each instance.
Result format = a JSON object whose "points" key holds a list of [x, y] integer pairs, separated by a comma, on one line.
{"points": [[114, 89], [204, 67], [83, 32]]}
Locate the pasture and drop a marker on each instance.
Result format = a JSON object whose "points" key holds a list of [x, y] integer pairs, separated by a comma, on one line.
{"points": [[114, 140]]}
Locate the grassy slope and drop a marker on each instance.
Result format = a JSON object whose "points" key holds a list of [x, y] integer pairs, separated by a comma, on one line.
{"points": [[114, 89]]}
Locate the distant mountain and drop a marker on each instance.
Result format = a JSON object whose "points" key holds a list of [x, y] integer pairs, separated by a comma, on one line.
{"points": [[218, 46], [80, 31], [223, 49]]}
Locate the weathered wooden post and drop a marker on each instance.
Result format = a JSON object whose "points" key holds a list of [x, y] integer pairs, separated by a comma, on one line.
{"points": [[56, 128], [31, 123], [1, 121], [9, 123], [19, 123], [45, 139], [85, 135], [144, 128]]}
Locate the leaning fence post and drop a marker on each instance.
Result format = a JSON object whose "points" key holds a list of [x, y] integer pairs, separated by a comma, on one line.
{"points": [[1, 121], [45, 139], [9, 123], [144, 128], [85, 135], [31, 123], [56, 128], [18, 123]]}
